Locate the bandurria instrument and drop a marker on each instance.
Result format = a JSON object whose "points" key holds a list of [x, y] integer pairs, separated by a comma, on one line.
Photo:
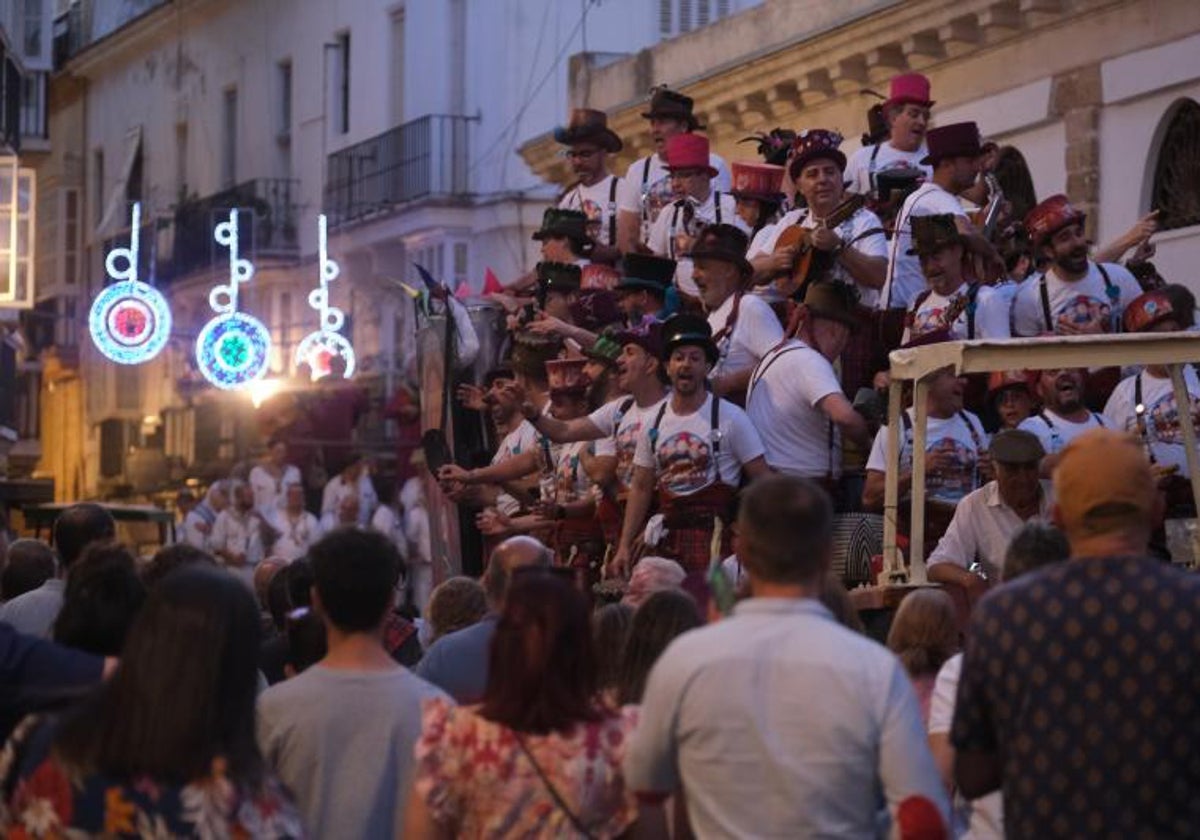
{"points": [[811, 264]]}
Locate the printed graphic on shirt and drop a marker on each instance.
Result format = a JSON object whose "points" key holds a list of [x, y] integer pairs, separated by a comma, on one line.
{"points": [[956, 480], [657, 195], [685, 463], [935, 318], [571, 479], [1163, 419], [1081, 310], [595, 213], [627, 439]]}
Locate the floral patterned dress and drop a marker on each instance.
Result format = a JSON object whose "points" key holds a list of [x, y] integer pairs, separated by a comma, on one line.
{"points": [[45, 799], [473, 775]]}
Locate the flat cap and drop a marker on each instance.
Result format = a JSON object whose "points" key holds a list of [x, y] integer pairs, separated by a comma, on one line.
{"points": [[1016, 446]]}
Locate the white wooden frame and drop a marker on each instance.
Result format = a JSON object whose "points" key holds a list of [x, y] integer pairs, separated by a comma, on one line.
{"points": [[916, 364]]}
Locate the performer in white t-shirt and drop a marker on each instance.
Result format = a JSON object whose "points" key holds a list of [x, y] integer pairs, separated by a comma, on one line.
{"points": [[906, 111], [1063, 417], [296, 529], [598, 193], [954, 152], [693, 457], [670, 114], [795, 399], [270, 479]]}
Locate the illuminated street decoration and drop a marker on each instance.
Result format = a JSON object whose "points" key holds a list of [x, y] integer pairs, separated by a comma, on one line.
{"points": [[233, 347], [130, 321], [319, 348]]}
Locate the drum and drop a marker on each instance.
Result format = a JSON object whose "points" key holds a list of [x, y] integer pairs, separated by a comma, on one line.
{"points": [[857, 537]]}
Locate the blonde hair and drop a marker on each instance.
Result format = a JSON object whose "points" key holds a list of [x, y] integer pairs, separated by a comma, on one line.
{"points": [[924, 631]]}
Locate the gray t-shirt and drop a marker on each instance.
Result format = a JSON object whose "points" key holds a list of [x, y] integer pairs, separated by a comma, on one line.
{"points": [[342, 742], [35, 612]]}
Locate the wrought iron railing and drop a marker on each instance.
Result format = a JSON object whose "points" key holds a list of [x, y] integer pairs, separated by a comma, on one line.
{"points": [[419, 159], [174, 246]]}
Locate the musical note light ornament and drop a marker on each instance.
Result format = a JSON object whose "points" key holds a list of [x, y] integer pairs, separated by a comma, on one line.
{"points": [[233, 348], [130, 321], [319, 348]]}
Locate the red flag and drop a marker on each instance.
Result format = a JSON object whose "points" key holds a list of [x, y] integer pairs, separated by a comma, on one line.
{"points": [[491, 284], [463, 291]]}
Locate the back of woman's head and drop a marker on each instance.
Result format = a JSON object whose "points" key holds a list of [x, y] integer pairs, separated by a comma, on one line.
{"points": [[924, 632], [656, 623], [610, 629], [101, 600], [184, 692], [542, 670], [169, 558]]}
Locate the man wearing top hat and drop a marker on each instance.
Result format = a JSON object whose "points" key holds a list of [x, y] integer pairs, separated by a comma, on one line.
{"points": [[954, 152], [642, 290], [1074, 296], [557, 289], [696, 204], [906, 111], [858, 245], [758, 191], [692, 458], [598, 193], [986, 519], [670, 115], [564, 237], [795, 399], [743, 325], [950, 306]]}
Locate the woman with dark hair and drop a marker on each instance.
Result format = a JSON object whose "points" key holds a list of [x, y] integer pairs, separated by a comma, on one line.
{"points": [[541, 756], [101, 600], [610, 629], [167, 746], [656, 623]]}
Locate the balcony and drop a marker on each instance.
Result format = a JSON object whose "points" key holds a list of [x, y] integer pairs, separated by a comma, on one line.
{"points": [[425, 158], [174, 246]]}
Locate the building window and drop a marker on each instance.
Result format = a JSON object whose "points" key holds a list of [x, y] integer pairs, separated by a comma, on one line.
{"points": [[398, 57], [1016, 182], [676, 17], [229, 135], [181, 161], [283, 112], [33, 28], [69, 246], [98, 185], [342, 84], [133, 184], [1176, 190]]}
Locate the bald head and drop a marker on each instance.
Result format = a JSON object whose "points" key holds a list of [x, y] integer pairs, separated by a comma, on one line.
{"points": [[514, 553]]}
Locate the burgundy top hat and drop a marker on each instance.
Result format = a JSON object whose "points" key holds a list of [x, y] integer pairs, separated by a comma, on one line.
{"points": [[759, 181], [1050, 216], [689, 151], [909, 88], [953, 140], [816, 143], [588, 125]]}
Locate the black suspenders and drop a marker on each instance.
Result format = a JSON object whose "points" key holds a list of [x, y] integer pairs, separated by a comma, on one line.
{"points": [[1110, 289]]}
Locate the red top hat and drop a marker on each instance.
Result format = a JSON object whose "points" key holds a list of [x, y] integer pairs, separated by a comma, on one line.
{"points": [[599, 276], [816, 143], [1002, 380], [689, 151], [909, 87], [760, 181], [954, 140], [1050, 216], [566, 376]]}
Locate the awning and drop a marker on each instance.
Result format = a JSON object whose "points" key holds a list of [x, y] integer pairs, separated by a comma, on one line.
{"points": [[115, 211]]}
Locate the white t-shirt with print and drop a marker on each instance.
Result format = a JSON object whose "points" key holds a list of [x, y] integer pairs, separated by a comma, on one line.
{"points": [[991, 315], [782, 401], [571, 481], [905, 279], [1073, 302], [682, 453], [942, 435], [295, 536], [524, 438], [756, 331], [1161, 416], [647, 181], [668, 230], [600, 202], [624, 429], [857, 230], [1055, 432], [859, 167]]}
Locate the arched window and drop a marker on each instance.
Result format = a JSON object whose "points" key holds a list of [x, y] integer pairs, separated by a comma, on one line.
{"points": [[1176, 190], [1012, 173]]}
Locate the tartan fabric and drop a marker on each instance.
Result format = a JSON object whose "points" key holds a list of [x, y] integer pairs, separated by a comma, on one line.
{"points": [[859, 360], [692, 547], [689, 522]]}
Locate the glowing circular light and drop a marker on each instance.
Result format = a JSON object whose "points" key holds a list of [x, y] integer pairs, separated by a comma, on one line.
{"points": [[233, 350], [130, 322], [318, 349]]}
